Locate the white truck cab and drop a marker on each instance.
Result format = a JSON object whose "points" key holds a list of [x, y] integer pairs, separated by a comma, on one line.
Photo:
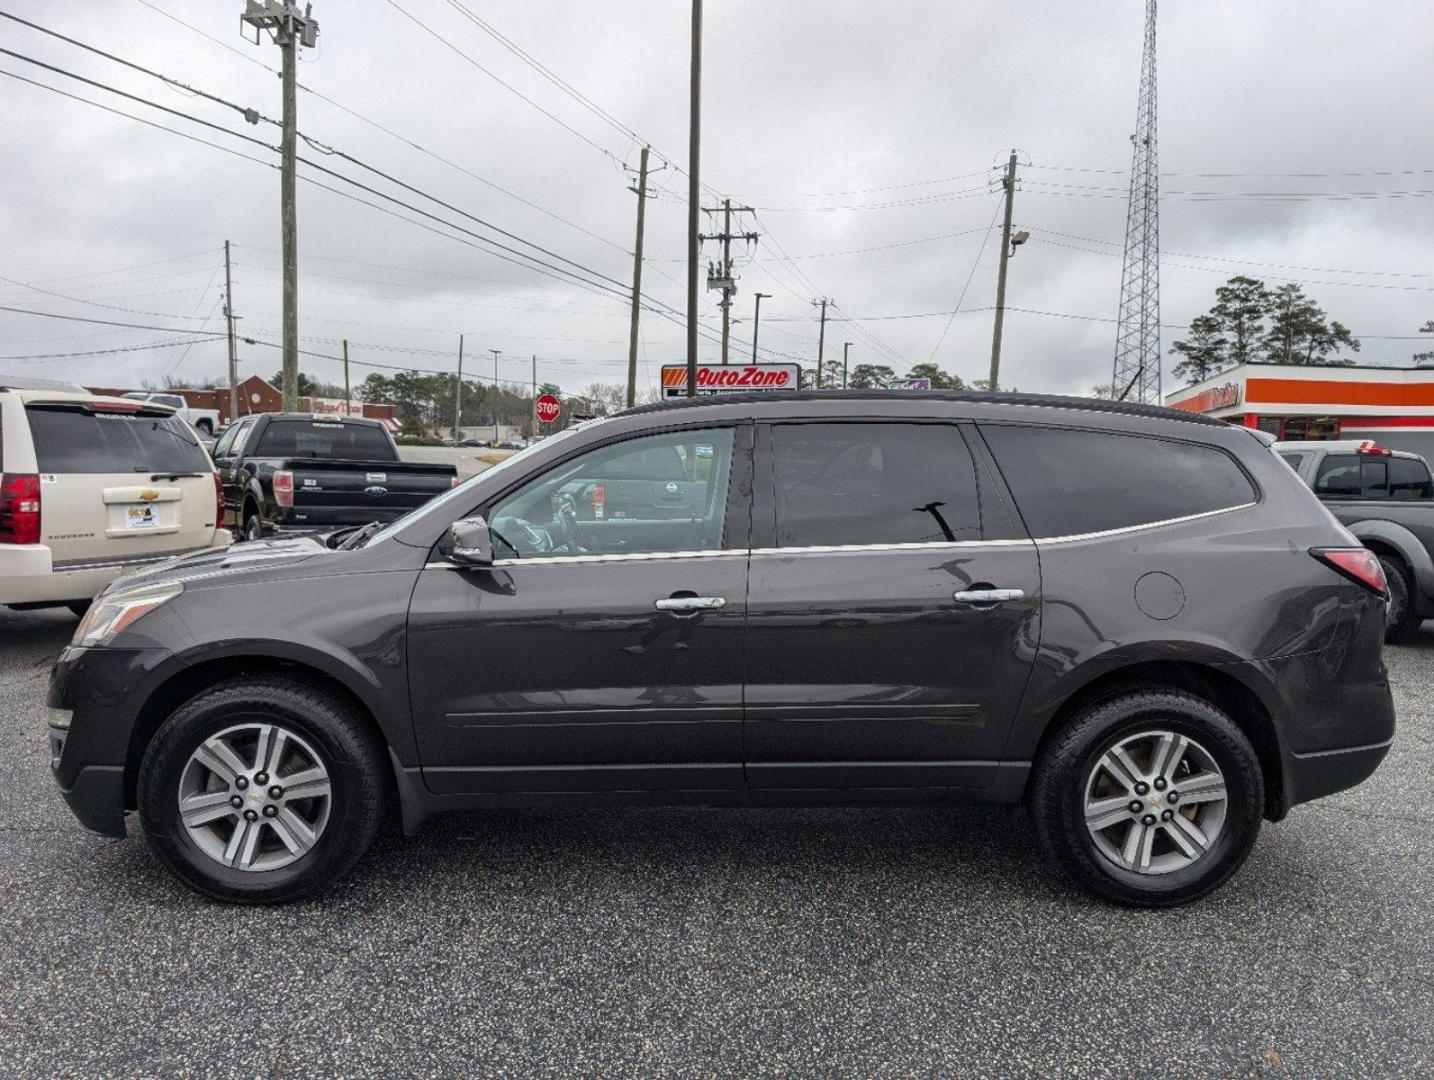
{"points": [[204, 421]]}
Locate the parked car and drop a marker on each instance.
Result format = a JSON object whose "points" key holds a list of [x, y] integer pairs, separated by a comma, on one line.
{"points": [[204, 421], [302, 472], [1136, 621], [473, 442], [92, 488], [1386, 499]]}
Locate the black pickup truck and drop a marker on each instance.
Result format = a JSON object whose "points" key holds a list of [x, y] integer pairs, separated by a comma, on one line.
{"points": [[302, 472], [1386, 498]]}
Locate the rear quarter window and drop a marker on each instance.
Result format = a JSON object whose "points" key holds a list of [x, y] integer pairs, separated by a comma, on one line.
{"points": [[1409, 479], [1069, 482], [74, 440]]}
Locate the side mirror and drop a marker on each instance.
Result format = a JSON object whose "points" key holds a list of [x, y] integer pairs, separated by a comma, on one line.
{"points": [[468, 542]]}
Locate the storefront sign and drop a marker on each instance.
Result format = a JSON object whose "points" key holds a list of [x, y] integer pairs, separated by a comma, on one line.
{"points": [[730, 378]]}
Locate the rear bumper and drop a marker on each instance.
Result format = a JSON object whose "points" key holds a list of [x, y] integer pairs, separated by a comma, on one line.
{"points": [[1313, 776], [28, 574]]}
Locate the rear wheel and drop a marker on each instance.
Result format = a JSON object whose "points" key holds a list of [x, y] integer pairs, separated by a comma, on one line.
{"points": [[1153, 798], [1402, 620], [261, 791], [205, 429], [253, 525], [80, 608]]}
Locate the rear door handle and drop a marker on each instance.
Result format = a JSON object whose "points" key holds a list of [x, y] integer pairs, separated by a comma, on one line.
{"points": [[988, 596], [691, 603]]}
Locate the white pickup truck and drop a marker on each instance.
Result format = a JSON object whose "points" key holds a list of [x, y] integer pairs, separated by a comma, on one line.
{"points": [[204, 421]]}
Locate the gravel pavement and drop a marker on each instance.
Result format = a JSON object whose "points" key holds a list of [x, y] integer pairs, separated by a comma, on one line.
{"points": [[656, 942]]}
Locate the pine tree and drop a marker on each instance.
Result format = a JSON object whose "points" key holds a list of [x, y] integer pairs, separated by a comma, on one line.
{"points": [[1204, 352]]}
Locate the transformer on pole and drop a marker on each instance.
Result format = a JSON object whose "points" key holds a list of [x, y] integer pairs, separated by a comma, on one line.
{"points": [[1137, 339]]}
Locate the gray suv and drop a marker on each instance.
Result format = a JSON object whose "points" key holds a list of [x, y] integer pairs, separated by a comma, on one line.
{"points": [[1138, 622]]}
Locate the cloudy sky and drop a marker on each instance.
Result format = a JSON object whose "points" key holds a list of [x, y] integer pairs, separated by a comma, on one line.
{"points": [[865, 135]]}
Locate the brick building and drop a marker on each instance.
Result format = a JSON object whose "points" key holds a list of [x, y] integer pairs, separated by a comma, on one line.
{"points": [[258, 395]]}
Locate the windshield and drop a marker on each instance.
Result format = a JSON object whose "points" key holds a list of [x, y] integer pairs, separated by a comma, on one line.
{"points": [[462, 492]]}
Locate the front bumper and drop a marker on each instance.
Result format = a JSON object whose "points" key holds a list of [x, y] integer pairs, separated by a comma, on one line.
{"points": [[99, 694]]}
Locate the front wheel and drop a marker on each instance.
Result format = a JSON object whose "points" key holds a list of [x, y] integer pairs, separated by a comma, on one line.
{"points": [[1153, 798], [258, 791]]}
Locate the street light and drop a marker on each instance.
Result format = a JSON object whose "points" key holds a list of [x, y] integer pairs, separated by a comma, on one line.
{"points": [[756, 322]]}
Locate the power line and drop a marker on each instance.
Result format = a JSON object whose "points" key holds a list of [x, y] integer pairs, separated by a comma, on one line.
{"points": [[106, 352], [251, 115], [507, 86], [969, 278], [619, 292], [393, 134], [107, 322]]}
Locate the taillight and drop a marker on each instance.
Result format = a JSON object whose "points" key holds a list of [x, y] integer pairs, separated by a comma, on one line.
{"points": [[218, 502], [454, 482], [597, 499], [20, 508], [284, 487], [1360, 565]]}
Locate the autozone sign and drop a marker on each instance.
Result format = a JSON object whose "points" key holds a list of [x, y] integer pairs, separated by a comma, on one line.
{"points": [[730, 378]]}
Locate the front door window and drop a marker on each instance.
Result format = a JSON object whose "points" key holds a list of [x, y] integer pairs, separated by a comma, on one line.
{"points": [[656, 494]]}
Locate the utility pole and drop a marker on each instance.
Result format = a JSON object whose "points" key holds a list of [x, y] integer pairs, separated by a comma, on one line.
{"points": [[535, 395], [229, 322], [1009, 183], [458, 395], [495, 353], [756, 321], [821, 340], [289, 29], [694, 192], [845, 353], [720, 277], [348, 403], [636, 285]]}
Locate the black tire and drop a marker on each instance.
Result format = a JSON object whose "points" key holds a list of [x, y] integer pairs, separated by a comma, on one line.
{"points": [[205, 429], [253, 525], [348, 751], [80, 608], [1403, 620], [1057, 795]]}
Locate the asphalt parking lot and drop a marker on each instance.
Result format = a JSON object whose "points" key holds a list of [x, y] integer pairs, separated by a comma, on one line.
{"points": [[719, 942]]}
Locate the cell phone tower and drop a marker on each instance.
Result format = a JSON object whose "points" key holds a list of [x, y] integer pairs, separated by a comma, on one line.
{"points": [[1137, 338]]}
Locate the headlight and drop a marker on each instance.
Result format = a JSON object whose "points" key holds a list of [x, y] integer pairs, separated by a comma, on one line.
{"points": [[113, 612]]}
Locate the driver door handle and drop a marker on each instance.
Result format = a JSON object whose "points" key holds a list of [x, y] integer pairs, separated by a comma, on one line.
{"points": [[691, 603], [988, 596]]}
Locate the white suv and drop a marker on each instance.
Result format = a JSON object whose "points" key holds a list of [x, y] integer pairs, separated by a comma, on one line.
{"points": [[92, 487]]}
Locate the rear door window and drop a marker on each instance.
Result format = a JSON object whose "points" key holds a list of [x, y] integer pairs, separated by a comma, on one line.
{"points": [[70, 439], [857, 484], [317, 439], [1409, 479], [1339, 475], [1068, 482]]}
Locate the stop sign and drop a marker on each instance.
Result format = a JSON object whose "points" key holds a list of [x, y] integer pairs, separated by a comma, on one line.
{"points": [[547, 407]]}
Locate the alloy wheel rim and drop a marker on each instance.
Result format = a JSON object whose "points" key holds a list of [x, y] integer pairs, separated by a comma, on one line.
{"points": [[255, 797], [1155, 802]]}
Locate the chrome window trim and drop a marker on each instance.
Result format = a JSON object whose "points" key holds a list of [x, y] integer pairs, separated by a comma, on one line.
{"points": [[836, 549], [567, 560], [934, 545]]}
